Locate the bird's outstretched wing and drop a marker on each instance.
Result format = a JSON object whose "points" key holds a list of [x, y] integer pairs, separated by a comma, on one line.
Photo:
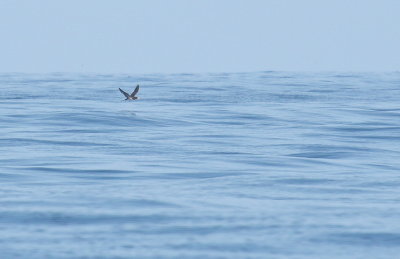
{"points": [[135, 92], [124, 93]]}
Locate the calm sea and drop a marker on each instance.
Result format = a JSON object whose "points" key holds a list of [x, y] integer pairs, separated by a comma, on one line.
{"points": [[230, 165]]}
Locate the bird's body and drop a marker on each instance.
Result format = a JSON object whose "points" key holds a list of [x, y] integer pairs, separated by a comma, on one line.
{"points": [[132, 95]]}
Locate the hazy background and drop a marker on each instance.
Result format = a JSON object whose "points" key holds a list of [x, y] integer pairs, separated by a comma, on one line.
{"points": [[198, 36]]}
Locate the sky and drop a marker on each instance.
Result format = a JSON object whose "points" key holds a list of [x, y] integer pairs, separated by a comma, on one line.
{"points": [[178, 36]]}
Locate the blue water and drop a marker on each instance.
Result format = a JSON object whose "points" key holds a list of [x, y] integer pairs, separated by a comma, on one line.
{"points": [[242, 165]]}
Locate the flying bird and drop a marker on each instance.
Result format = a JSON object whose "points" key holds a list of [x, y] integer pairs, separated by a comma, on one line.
{"points": [[132, 95]]}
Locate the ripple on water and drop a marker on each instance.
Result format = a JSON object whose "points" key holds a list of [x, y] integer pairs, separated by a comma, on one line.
{"points": [[230, 165]]}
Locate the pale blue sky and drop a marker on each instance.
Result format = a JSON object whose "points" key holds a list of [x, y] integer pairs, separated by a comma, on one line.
{"points": [[199, 36]]}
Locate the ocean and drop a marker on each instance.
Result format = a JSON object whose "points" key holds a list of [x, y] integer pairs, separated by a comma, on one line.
{"points": [[225, 165]]}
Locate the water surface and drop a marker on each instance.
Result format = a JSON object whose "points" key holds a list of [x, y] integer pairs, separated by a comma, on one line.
{"points": [[233, 165]]}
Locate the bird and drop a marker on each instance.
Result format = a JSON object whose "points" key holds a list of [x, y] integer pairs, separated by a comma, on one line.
{"points": [[132, 95]]}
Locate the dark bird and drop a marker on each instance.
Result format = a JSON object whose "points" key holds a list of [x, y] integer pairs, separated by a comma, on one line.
{"points": [[132, 95]]}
